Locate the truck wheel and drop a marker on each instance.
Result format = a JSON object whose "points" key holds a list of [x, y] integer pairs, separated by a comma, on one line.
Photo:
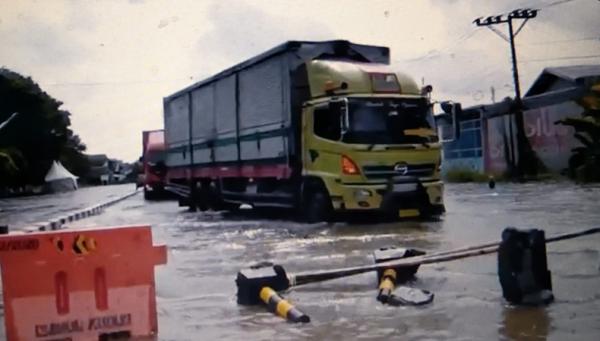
{"points": [[202, 198], [316, 207], [148, 195]]}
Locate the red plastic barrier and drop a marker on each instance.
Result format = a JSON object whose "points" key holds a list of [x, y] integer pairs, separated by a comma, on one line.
{"points": [[86, 284]]}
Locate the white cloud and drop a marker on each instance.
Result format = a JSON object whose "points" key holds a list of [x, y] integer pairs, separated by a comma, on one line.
{"points": [[112, 62]]}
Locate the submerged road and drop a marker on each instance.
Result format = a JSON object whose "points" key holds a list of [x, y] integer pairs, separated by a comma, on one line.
{"points": [[196, 289]]}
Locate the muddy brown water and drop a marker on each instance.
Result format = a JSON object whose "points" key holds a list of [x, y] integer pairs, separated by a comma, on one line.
{"points": [[196, 289]]}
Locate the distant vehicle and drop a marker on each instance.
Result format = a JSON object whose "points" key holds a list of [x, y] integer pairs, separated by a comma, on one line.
{"points": [[319, 127], [153, 161]]}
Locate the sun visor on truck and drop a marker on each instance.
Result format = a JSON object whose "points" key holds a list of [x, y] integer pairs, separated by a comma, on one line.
{"points": [[343, 50]]}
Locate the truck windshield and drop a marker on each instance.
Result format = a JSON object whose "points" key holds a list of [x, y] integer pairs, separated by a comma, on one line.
{"points": [[389, 121]]}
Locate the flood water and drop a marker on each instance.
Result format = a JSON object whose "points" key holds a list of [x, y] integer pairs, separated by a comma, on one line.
{"points": [[196, 289]]}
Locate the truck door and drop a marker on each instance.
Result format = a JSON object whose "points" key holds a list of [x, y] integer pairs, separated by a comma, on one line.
{"points": [[321, 143]]}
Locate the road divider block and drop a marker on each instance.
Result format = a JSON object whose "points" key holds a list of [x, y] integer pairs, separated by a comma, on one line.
{"points": [[259, 283], [523, 267], [389, 277], [522, 270], [80, 284], [60, 222], [281, 307], [54, 225]]}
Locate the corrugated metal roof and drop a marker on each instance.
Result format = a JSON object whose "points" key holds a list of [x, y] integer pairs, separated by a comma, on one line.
{"points": [[575, 72], [571, 74]]}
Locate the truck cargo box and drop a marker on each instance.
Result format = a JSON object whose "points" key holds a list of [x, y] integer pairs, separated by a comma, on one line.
{"points": [[249, 114]]}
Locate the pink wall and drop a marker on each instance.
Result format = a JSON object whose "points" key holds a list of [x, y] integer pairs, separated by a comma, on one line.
{"points": [[551, 142]]}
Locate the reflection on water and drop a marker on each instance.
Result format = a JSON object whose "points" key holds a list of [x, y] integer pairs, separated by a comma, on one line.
{"points": [[196, 289], [525, 323]]}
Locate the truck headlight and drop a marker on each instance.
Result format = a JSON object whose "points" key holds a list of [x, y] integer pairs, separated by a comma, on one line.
{"points": [[362, 194]]}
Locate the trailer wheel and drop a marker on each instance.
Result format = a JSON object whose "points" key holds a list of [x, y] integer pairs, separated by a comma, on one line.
{"points": [[316, 207], [202, 197]]}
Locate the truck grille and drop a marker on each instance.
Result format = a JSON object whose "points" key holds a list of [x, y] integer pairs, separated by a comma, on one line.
{"points": [[383, 172]]}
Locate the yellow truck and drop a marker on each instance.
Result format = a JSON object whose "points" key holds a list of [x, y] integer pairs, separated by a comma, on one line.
{"points": [[319, 127]]}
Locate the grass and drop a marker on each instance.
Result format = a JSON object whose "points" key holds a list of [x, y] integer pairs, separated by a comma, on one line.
{"points": [[465, 175], [459, 175]]}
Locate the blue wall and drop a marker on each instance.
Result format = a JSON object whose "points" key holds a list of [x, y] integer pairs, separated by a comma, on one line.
{"points": [[466, 152]]}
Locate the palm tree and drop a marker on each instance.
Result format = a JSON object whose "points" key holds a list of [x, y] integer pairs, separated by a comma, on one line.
{"points": [[584, 163]]}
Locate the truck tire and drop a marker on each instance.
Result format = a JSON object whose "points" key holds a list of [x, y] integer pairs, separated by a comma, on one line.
{"points": [[149, 195], [202, 198], [316, 207]]}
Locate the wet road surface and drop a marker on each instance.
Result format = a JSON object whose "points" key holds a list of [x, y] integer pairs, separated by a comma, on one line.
{"points": [[21, 211], [196, 289]]}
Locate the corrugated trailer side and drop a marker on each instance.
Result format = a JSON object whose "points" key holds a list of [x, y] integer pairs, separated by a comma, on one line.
{"points": [[177, 131], [264, 113], [225, 143], [241, 119], [203, 122], [245, 121]]}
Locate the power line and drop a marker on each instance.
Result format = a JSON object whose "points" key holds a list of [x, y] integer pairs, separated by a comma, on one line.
{"points": [[556, 3], [564, 41], [560, 58], [435, 53]]}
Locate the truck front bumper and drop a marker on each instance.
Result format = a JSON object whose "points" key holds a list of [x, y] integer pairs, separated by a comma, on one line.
{"points": [[401, 196]]}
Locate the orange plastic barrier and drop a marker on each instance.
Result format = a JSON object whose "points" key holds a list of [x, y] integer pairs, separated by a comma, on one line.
{"points": [[86, 284]]}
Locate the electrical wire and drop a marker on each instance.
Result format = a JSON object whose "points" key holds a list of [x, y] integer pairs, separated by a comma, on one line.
{"points": [[435, 53], [559, 58], [556, 3], [562, 41]]}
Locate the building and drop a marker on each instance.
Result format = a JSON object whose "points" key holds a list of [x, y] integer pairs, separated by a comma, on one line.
{"points": [[104, 171], [486, 145]]}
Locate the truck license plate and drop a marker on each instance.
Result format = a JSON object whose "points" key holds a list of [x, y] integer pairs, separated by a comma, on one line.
{"points": [[409, 213], [409, 187]]}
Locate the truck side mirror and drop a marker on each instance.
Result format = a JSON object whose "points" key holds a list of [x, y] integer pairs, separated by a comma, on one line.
{"points": [[340, 107], [448, 123]]}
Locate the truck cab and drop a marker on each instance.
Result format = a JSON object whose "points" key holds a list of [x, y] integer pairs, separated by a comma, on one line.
{"points": [[369, 137], [153, 162]]}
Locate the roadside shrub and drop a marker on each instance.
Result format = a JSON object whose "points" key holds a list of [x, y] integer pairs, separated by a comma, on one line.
{"points": [[465, 175]]}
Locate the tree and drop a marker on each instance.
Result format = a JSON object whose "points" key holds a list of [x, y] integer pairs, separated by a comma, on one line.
{"points": [[39, 135], [584, 163]]}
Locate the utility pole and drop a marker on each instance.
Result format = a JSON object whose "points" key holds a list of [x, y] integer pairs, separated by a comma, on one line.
{"points": [[527, 162]]}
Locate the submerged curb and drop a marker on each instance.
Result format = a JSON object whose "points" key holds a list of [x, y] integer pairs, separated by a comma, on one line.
{"points": [[59, 222]]}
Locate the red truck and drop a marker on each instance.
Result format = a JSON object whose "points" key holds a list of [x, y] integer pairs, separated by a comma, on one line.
{"points": [[153, 161]]}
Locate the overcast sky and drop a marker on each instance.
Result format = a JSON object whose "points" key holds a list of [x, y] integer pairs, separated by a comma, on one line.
{"points": [[112, 62]]}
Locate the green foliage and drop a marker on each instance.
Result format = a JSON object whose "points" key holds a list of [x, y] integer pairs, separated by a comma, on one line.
{"points": [[465, 175], [584, 163], [39, 134]]}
